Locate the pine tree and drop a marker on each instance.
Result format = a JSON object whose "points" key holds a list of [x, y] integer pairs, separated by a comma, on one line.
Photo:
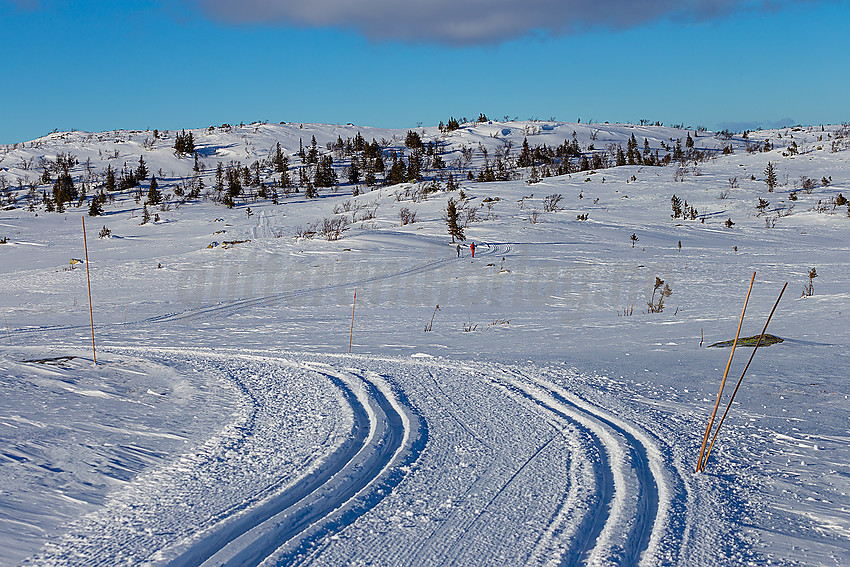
{"points": [[234, 185], [677, 206], [452, 215], [770, 177], [279, 159], [632, 150], [142, 170], [63, 189], [146, 215], [95, 208], [313, 152], [219, 178], [621, 156], [154, 196], [325, 175], [354, 172], [525, 159], [110, 178], [310, 190]]}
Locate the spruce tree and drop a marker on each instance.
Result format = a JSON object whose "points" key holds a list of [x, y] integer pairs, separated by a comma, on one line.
{"points": [[154, 196], [525, 158], [354, 172], [110, 178], [676, 203], [95, 208], [770, 177], [455, 230], [142, 170], [278, 159]]}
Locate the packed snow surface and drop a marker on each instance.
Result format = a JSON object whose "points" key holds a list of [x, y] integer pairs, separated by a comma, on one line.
{"points": [[526, 406]]}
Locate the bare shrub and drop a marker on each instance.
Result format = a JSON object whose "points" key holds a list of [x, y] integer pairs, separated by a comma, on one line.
{"points": [[470, 216], [808, 184], [809, 289], [369, 212], [550, 203], [307, 232], [657, 305], [332, 228], [407, 216]]}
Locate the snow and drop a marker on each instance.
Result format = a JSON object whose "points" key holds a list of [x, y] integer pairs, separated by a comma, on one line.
{"points": [[545, 418]]}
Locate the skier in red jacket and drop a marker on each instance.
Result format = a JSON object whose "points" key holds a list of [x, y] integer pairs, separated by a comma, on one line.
{"points": [[472, 248]]}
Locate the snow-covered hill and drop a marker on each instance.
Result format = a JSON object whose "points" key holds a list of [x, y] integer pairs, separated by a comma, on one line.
{"points": [[524, 406]]}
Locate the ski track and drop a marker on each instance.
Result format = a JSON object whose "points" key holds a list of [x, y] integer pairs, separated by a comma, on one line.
{"points": [[645, 523], [384, 434], [613, 510], [612, 506], [225, 308]]}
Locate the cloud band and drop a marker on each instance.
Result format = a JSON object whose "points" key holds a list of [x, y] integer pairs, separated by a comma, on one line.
{"points": [[471, 22]]}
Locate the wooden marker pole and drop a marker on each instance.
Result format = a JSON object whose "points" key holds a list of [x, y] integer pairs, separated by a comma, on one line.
{"points": [[351, 334], [723, 382], [741, 379], [88, 280]]}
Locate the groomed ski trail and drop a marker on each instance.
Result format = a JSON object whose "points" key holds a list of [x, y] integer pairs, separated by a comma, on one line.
{"points": [[345, 478]]}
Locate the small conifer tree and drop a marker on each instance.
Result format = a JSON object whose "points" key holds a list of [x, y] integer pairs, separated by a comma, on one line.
{"points": [[142, 170], [154, 196], [95, 208], [770, 177], [452, 215]]}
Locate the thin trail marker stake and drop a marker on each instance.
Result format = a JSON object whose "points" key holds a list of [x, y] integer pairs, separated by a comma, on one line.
{"points": [[8, 334], [725, 374], [741, 379], [351, 334], [88, 280]]}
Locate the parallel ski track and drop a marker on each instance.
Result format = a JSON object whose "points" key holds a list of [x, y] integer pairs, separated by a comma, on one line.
{"points": [[646, 520], [381, 435], [434, 551], [230, 307]]}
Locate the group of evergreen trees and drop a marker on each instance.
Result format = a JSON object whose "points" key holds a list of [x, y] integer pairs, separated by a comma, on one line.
{"points": [[184, 144], [359, 161]]}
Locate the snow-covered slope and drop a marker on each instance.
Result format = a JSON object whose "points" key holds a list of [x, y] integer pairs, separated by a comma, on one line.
{"points": [[546, 415]]}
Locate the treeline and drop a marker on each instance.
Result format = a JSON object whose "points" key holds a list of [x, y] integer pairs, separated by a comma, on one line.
{"points": [[354, 161]]}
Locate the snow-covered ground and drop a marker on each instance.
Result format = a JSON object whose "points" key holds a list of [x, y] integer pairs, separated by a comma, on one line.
{"points": [[546, 417]]}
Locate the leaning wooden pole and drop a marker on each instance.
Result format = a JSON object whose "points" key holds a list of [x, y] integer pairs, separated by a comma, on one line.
{"points": [[725, 374], [88, 280], [741, 379], [351, 333]]}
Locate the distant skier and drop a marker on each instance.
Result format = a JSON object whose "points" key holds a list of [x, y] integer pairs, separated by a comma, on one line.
{"points": [[458, 250], [472, 248]]}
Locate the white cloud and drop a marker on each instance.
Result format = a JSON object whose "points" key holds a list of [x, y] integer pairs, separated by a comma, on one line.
{"points": [[470, 22]]}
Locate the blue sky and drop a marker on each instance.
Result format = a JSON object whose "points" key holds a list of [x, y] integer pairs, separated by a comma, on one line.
{"points": [[75, 64]]}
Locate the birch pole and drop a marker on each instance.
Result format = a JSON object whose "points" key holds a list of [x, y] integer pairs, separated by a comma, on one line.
{"points": [[725, 374], [88, 280]]}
